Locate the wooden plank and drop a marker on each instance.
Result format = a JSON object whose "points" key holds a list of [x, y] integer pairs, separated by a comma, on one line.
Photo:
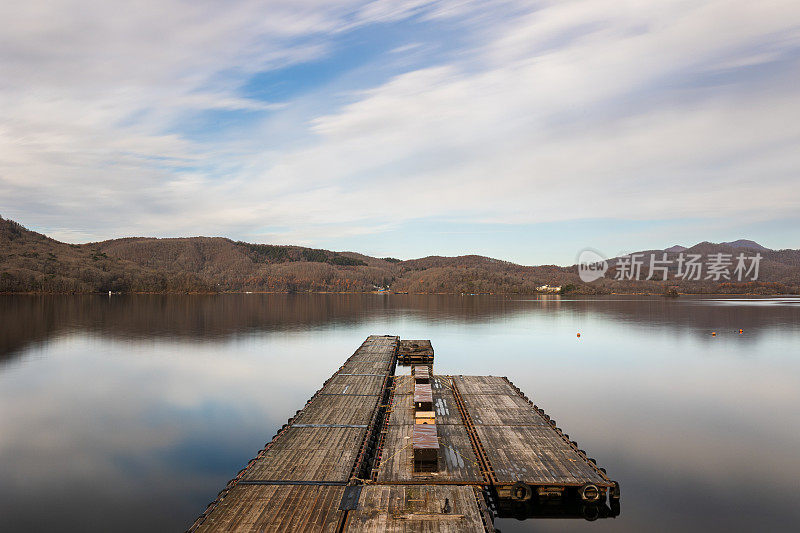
{"points": [[378, 344], [519, 443], [415, 508], [444, 404], [294, 484], [347, 384], [377, 367], [338, 409], [291, 508], [279, 491], [536, 455], [419, 348], [457, 462], [403, 385], [402, 410], [502, 410], [376, 349], [483, 385], [309, 454]]}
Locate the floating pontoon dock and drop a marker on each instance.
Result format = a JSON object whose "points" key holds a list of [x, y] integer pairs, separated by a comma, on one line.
{"points": [[411, 352], [372, 451]]}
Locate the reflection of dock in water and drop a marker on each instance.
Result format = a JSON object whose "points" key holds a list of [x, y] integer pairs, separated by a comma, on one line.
{"points": [[372, 451]]}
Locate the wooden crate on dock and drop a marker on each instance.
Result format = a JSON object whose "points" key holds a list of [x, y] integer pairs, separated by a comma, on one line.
{"points": [[421, 374], [423, 397], [425, 443], [425, 417]]}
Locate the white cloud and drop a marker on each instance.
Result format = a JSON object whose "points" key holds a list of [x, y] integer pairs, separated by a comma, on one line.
{"points": [[92, 92], [568, 110], [598, 126]]}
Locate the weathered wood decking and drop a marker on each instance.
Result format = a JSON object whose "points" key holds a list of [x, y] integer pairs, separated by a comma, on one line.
{"points": [[297, 481], [276, 508], [412, 352], [345, 461], [457, 462], [520, 442], [414, 508]]}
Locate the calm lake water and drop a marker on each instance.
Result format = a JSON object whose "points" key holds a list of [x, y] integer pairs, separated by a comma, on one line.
{"points": [[130, 413]]}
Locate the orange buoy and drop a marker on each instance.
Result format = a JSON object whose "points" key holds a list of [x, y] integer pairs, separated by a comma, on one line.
{"points": [[713, 333], [741, 331], [579, 334]]}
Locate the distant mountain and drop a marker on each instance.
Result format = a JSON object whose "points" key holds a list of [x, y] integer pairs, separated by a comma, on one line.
{"points": [[746, 244], [741, 243], [779, 270], [32, 262], [676, 249]]}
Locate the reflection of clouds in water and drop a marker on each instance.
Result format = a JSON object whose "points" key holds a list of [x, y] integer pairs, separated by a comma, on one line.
{"points": [[713, 436], [789, 301], [101, 411], [154, 416], [675, 417]]}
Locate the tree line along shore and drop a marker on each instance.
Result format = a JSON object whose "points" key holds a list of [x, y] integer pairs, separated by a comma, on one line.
{"points": [[34, 263]]}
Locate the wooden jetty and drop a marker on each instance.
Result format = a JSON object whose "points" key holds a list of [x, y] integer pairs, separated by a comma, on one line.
{"points": [[371, 451], [415, 352]]}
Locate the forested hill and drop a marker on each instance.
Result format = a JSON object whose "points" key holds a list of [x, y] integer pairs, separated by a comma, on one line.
{"points": [[32, 262]]}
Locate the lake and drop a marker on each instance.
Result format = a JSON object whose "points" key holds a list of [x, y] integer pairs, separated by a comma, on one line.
{"points": [[130, 413]]}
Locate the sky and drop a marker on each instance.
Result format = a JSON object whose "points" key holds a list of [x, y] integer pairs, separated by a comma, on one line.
{"points": [[525, 131]]}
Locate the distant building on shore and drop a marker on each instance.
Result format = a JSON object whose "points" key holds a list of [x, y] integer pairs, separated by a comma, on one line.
{"points": [[549, 288]]}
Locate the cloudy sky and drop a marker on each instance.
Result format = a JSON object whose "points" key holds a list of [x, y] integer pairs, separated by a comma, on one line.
{"points": [[519, 130]]}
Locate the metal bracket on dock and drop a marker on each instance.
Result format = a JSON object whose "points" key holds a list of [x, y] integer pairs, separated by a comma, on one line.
{"points": [[350, 498]]}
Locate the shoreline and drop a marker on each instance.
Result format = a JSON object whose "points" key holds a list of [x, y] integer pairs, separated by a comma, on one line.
{"points": [[210, 293]]}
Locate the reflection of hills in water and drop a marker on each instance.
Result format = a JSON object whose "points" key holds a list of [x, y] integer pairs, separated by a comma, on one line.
{"points": [[699, 313], [31, 319]]}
